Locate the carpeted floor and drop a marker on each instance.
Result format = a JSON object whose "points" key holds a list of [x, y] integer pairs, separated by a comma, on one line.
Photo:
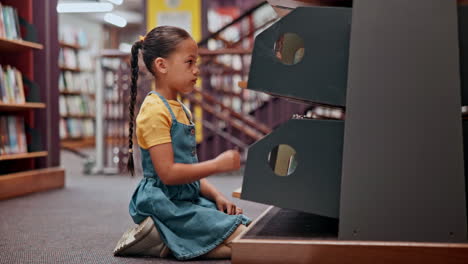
{"points": [[82, 222]]}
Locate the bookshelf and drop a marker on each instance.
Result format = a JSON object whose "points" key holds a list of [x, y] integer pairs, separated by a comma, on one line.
{"points": [[77, 90], [29, 160], [9, 107], [65, 68], [13, 45], [69, 45], [112, 112], [76, 143], [36, 154]]}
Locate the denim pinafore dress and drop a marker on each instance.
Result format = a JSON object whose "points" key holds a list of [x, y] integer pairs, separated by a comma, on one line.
{"points": [[189, 224]]}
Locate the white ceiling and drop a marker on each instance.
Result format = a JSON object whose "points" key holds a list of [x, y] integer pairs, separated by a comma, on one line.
{"points": [[131, 10]]}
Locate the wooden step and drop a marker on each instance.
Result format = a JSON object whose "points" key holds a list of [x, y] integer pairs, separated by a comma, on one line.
{"points": [[21, 183], [288, 236]]}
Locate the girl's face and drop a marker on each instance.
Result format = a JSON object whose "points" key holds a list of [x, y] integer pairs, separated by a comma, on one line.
{"points": [[182, 70]]}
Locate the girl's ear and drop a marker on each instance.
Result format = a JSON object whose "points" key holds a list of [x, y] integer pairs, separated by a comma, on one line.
{"points": [[160, 65]]}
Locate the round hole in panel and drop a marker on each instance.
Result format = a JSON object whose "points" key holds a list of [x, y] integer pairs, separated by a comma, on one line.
{"points": [[282, 160], [289, 48]]}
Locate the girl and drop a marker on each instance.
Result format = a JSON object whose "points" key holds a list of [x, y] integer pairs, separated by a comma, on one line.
{"points": [[176, 208]]}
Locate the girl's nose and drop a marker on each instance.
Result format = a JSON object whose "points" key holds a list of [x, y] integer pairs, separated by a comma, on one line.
{"points": [[196, 71]]}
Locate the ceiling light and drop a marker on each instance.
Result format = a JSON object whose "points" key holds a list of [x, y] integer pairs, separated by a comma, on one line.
{"points": [[115, 20], [84, 7], [116, 2]]}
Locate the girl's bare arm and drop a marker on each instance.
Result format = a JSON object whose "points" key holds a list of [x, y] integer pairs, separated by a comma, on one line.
{"points": [[224, 205], [172, 173], [208, 190]]}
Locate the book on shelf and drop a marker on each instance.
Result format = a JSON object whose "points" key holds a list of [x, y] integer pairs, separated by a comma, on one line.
{"points": [[73, 36], [77, 103], [76, 82], [81, 105], [76, 128], [9, 22], [85, 61], [73, 59], [11, 85], [12, 135], [68, 58], [114, 110]]}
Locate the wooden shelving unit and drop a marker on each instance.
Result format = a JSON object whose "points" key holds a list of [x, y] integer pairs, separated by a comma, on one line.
{"points": [[76, 143], [71, 46], [26, 182], [81, 142], [77, 93], [18, 107], [64, 68], [13, 45], [114, 109], [23, 155], [78, 116], [37, 170]]}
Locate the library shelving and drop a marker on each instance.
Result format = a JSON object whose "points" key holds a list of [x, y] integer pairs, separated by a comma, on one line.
{"points": [[29, 160], [77, 90], [17, 45], [113, 95]]}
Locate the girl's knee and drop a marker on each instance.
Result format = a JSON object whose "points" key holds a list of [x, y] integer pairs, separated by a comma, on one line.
{"points": [[235, 234]]}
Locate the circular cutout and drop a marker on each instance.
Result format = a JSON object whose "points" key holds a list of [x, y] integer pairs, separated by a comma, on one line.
{"points": [[289, 48], [282, 160]]}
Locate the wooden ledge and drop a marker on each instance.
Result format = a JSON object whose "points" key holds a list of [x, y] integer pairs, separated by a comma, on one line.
{"points": [[254, 245], [21, 183]]}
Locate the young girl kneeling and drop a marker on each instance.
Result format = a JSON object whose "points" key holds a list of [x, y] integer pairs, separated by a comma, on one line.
{"points": [[177, 210]]}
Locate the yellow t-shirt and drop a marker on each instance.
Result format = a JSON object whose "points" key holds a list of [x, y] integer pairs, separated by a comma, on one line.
{"points": [[154, 121]]}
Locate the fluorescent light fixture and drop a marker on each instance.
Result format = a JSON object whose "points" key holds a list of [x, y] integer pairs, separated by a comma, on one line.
{"points": [[84, 7], [115, 20], [116, 2]]}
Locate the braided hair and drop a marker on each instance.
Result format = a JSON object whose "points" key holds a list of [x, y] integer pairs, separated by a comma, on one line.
{"points": [[159, 42]]}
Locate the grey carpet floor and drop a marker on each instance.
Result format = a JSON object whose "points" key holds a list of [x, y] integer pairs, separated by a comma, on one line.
{"points": [[82, 222]]}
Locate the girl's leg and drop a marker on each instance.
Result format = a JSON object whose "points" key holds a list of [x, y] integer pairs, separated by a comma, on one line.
{"points": [[223, 251]]}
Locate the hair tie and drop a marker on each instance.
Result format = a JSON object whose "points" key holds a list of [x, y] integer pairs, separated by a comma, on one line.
{"points": [[142, 38], [130, 150]]}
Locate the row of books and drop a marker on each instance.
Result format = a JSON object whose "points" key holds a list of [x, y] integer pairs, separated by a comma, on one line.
{"points": [[12, 135], [77, 82], [114, 110], [9, 23], [116, 129], [228, 82], [11, 85], [235, 61], [72, 35], [76, 128], [111, 95], [76, 105], [110, 78], [249, 100], [75, 59], [111, 63]]}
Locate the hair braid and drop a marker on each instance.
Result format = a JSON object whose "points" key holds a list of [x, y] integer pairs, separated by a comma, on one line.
{"points": [[159, 42], [133, 94]]}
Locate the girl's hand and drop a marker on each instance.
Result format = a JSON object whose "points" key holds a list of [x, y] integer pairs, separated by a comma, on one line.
{"points": [[228, 161], [226, 206]]}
